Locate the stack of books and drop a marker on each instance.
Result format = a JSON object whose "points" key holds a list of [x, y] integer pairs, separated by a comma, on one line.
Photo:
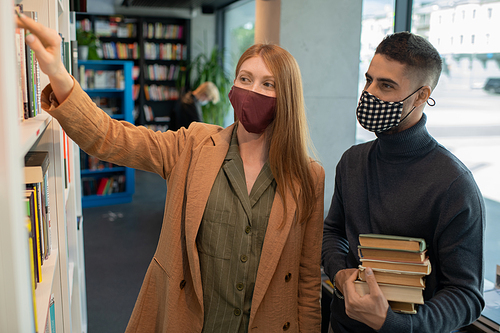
{"points": [[399, 265]]}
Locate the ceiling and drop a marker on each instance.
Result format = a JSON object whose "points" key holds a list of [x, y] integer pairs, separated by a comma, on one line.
{"points": [[214, 4]]}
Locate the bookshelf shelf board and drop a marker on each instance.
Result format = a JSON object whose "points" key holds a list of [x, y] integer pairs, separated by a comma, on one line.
{"points": [[31, 129], [104, 200], [44, 288], [86, 172]]}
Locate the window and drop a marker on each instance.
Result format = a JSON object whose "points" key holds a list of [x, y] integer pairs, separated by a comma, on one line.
{"points": [[377, 22], [466, 118], [239, 32]]}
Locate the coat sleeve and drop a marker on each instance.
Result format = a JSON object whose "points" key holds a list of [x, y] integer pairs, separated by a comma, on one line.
{"points": [[309, 270], [119, 142]]}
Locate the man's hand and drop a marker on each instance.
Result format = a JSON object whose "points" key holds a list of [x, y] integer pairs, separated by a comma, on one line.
{"points": [[342, 276], [370, 309]]}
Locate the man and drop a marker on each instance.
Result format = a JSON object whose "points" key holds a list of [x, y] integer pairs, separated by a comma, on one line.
{"points": [[404, 183], [188, 108]]}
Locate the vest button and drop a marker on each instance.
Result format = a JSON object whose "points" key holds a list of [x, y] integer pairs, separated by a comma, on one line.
{"points": [[288, 277], [243, 258], [237, 312], [182, 284], [286, 326], [239, 286]]}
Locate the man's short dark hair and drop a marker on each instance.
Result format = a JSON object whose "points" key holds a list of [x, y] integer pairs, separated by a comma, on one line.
{"points": [[422, 59]]}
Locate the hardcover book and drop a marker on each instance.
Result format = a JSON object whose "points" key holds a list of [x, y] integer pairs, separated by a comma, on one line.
{"points": [[392, 242], [393, 292]]}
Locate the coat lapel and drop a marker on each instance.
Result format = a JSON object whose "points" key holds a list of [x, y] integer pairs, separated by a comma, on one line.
{"points": [[276, 237], [208, 164]]}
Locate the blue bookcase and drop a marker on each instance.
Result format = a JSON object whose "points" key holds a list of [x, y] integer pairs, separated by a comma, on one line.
{"points": [[104, 183]]}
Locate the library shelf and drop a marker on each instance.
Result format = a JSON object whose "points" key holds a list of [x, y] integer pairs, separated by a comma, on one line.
{"points": [[19, 303], [92, 175]]}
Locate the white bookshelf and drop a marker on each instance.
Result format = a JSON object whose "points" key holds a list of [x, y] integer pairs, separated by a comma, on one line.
{"points": [[63, 273]]}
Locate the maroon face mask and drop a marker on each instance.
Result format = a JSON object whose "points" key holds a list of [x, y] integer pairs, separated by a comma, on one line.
{"points": [[254, 111]]}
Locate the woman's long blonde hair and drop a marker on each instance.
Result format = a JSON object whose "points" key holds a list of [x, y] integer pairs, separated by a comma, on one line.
{"points": [[288, 134]]}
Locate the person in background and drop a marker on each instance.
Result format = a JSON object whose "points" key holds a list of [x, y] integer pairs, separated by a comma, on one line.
{"points": [[240, 246], [404, 183], [188, 107]]}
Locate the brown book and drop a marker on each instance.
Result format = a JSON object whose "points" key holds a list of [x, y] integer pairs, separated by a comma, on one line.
{"points": [[392, 242], [424, 267], [393, 292], [402, 307], [395, 277], [390, 254]]}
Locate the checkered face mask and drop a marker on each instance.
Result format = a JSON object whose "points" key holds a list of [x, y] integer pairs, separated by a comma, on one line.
{"points": [[377, 115]]}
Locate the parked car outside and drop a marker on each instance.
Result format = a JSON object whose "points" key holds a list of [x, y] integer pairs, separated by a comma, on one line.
{"points": [[492, 85]]}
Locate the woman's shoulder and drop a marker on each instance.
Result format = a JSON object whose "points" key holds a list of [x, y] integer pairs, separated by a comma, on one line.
{"points": [[316, 168], [201, 132]]}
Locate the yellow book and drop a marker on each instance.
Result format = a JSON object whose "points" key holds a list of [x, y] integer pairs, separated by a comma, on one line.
{"points": [[32, 266]]}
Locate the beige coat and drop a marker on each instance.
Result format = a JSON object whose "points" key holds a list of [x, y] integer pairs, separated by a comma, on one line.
{"points": [[287, 289]]}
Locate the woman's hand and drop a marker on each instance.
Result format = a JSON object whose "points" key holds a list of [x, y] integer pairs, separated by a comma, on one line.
{"points": [[46, 43]]}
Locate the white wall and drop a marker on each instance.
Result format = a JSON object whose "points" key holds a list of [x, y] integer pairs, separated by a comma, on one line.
{"points": [[202, 32], [324, 38]]}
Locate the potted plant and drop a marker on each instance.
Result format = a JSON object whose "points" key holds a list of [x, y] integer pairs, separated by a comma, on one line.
{"points": [[87, 45], [210, 68]]}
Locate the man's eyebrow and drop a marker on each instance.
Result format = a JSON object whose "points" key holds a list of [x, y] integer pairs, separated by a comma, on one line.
{"points": [[382, 79]]}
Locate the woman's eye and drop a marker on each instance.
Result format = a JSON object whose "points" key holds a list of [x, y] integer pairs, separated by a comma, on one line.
{"points": [[269, 84]]}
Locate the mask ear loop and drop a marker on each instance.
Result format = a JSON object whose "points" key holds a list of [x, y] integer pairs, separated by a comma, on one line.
{"points": [[433, 101]]}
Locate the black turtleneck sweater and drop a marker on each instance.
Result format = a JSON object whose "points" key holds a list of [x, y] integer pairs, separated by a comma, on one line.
{"points": [[407, 184]]}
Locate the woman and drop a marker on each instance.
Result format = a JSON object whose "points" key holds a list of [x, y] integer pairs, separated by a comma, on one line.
{"points": [[188, 108], [240, 244]]}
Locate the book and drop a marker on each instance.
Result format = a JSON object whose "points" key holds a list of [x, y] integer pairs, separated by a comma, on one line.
{"points": [[52, 314], [37, 251], [36, 164], [392, 242], [395, 277], [424, 267], [403, 307], [390, 254], [393, 292], [35, 73]]}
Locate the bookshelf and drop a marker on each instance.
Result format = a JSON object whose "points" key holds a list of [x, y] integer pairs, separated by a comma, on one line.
{"points": [[109, 84], [63, 274], [159, 48]]}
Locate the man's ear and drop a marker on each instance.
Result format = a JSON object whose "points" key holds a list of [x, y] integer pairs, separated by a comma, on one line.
{"points": [[422, 96]]}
